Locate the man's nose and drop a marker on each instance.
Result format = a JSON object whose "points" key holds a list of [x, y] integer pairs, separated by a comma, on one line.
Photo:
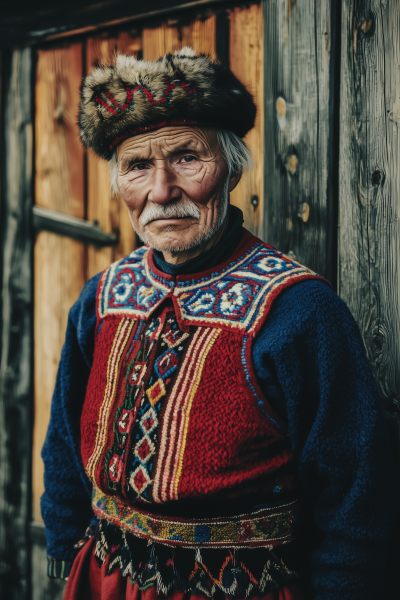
{"points": [[163, 186]]}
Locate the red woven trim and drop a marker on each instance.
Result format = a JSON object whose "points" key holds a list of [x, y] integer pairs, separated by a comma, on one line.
{"points": [[139, 130]]}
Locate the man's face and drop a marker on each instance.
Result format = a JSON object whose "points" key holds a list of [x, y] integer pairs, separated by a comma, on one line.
{"points": [[174, 183]]}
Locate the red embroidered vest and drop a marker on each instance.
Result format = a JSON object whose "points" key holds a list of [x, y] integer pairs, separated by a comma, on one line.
{"points": [[174, 421]]}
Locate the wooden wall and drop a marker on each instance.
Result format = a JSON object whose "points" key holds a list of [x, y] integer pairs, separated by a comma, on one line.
{"points": [[246, 59], [297, 44], [369, 185], [71, 181], [59, 263], [103, 206], [15, 323]]}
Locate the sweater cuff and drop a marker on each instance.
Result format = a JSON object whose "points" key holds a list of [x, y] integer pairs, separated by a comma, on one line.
{"points": [[58, 569]]}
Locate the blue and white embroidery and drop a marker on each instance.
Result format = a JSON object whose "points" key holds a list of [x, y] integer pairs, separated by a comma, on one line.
{"points": [[233, 297]]}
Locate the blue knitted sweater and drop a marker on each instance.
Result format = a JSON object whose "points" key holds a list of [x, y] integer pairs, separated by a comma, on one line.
{"points": [[311, 364]]}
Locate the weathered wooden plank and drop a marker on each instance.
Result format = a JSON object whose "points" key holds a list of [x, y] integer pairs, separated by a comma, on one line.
{"points": [[59, 262], [369, 187], [102, 205], [247, 63], [297, 49], [16, 325], [369, 200]]}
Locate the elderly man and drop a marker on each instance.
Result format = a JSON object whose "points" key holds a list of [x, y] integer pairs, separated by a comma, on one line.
{"points": [[215, 422]]}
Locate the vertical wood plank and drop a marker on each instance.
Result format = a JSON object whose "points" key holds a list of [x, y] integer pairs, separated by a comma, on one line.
{"points": [[200, 34], [16, 324], [369, 188], [59, 262], [102, 205], [156, 41], [247, 63], [297, 40]]}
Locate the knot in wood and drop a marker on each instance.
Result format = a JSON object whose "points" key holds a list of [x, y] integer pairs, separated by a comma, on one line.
{"points": [[376, 177], [254, 201], [305, 212], [368, 26], [281, 106], [292, 164]]}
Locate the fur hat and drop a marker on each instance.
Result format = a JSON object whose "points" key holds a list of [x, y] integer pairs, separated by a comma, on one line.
{"points": [[178, 89]]}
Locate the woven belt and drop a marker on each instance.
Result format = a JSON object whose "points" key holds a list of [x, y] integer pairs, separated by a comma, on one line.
{"points": [[265, 527]]}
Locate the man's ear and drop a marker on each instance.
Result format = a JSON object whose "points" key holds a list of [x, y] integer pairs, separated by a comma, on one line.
{"points": [[234, 180]]}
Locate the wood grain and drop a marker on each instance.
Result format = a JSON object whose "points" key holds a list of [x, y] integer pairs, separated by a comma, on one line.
{"points": [[369, 188], [16, 323], [198, 34], [156, 41], [102, 205], [247, 63], [59, 262], [297, 59]]}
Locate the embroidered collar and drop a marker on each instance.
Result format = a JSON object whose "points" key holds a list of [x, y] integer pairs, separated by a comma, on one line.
{"points": [[235, 296]]}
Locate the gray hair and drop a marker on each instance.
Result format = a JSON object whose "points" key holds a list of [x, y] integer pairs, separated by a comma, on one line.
{"points": [[234, 150]]}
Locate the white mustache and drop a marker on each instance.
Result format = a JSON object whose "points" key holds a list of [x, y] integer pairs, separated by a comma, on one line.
{"points": [[179, 209]]}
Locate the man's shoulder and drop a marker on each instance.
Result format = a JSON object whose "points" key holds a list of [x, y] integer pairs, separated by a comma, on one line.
{"points": [[311, 305]]}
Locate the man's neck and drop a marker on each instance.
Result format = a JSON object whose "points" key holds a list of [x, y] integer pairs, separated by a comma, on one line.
{"points": [[177, 258]]}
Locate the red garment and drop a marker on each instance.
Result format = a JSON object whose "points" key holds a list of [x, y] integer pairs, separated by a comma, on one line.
{"points": [[88, 581], [173, 412], [181, 445]]}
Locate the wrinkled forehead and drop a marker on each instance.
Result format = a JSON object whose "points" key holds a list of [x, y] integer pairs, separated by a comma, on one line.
{"points": [[167, 141]]}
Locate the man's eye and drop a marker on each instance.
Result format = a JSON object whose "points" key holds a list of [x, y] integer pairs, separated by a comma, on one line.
{"points": [[139, 167], [188, 158]]}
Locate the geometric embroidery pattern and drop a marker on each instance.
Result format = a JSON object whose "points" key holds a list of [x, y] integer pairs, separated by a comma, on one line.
{"points": [[173, 338], [139, 480], [233, 297], [144, 449], [149, 367], [149, 421], [156, 392], [265, 526], [161, 366], [204, 573], [167, 363]]}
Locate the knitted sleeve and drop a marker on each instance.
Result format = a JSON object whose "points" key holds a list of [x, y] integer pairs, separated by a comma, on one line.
{"points": [[66, 502], [311, 363]]}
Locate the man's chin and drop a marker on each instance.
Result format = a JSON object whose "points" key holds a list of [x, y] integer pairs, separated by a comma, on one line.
{"points": [[175, 245], [174, 248]]}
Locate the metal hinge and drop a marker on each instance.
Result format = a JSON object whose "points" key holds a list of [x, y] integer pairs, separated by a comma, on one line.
{"points": [[78, 229]]}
